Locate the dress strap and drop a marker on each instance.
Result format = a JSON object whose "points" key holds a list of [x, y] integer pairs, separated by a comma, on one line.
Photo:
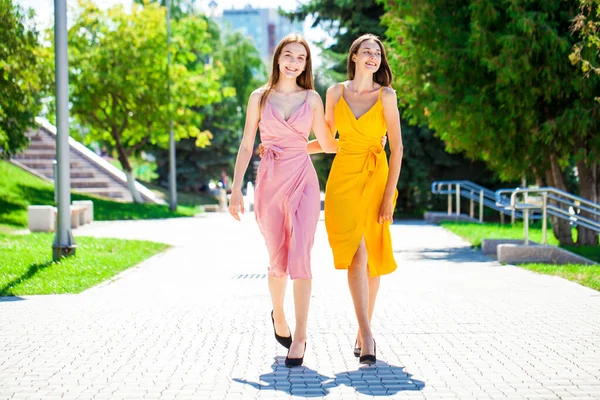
{"points": [[380, 93], [306, 95]]}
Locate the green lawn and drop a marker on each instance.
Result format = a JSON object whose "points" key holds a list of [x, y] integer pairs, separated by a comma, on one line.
{"points": [[26, 265], [587, 275], [475, 233], [19, 189]]}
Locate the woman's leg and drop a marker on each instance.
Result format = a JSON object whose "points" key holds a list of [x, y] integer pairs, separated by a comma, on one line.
{"points": [[358, 281], [373, 290], [277, 288], [302, 290]]}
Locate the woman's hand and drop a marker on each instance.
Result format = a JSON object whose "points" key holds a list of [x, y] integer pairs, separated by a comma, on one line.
{"points": [[386, 212], [384, 141], [236, 203], [261, 150]]}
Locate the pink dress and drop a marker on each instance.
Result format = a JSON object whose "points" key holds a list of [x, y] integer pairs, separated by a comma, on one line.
{"points": [[287, 201]]}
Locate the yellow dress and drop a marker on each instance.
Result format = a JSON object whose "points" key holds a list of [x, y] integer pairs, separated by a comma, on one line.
{"points": [[355, 189]]}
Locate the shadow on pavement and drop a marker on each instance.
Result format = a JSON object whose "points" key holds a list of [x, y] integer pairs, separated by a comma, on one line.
{"points": [[453, 254], [10, 298], [382, 379]]}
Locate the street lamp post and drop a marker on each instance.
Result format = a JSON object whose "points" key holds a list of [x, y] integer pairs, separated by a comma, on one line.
{"points": [[64, 244], [172, 167]]}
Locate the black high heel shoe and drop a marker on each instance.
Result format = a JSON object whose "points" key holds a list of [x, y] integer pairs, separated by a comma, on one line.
{"points": [[356, 349], [295, 362], [284, 341], [369, 359]]}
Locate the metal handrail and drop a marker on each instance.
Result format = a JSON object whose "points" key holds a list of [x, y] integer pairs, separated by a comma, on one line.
{"points": [[476, 194], [575, 205]]}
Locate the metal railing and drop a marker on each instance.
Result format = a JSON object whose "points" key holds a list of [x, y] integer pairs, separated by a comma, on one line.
{"points": [[475, 194], [567, 206]]}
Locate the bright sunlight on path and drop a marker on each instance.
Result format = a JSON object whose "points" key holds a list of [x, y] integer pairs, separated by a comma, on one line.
{"points": [[193, 323]]}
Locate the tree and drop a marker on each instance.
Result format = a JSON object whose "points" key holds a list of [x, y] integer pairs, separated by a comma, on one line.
{"points": [[493, 78], [24, 75], [587, 53], [225, 119], [118, 80], [587, 25]]}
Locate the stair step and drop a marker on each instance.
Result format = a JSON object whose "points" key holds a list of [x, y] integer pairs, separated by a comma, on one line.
{"points": [[107, 192], [89, 183], [33, 137], [37, 155], [82, 174], [46, 163], [42, 146], [75, 173]]}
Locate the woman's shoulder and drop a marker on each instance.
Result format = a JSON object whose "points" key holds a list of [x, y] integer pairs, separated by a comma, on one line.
{"points": [[313, 96], [388, 94], [257, 95], [335, 90], [258, 92], [337, 87]]}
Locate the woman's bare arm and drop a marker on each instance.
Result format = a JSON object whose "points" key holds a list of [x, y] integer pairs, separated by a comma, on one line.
{"points": [[236, 202], [392, 120]]}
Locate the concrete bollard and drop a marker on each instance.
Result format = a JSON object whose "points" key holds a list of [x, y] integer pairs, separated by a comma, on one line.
{"points": [[41, 218], [222, 200], [88, 215]]}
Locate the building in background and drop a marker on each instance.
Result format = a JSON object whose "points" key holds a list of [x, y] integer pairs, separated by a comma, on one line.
{"points": [[265, 26]]}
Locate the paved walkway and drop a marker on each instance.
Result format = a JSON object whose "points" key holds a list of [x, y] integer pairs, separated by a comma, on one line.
{"points": [[193, 323]]}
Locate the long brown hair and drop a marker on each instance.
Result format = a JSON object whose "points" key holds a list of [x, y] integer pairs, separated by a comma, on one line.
{"points": [[304, 80], [383, 76]]}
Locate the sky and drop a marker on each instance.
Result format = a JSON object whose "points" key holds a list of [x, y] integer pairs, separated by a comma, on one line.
{"points": [[45, 9]]}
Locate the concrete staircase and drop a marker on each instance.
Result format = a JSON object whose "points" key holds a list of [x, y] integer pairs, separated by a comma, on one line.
{"points": [[90, 173]]}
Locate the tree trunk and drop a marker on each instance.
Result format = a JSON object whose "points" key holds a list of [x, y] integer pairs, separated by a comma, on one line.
{"points": [[131, 185], [560, 227], [124, 160], [589, 188]]}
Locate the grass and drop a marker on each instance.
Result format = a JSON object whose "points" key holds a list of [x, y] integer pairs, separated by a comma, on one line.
{"points": [[26, 266], [475, 233], [587, 275], [19, 189]]}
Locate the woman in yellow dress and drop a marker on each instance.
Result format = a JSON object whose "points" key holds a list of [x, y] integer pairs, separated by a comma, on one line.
{"points": [[361, 189]]}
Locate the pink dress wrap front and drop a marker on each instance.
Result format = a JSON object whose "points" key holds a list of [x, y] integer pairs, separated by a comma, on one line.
{"points": [[287, 201]]}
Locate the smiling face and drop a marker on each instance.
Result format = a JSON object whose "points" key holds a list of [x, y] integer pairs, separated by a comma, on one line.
{"points": [[368, 56], [292, 61]]}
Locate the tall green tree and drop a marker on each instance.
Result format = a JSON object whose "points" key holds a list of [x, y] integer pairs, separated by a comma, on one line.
{"points": [[492, 77], [244, 72], [24, 74], [587, 53], [118, 78]]}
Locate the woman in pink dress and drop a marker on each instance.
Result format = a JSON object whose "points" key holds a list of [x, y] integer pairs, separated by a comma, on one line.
{"points": [[287, 200]]}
